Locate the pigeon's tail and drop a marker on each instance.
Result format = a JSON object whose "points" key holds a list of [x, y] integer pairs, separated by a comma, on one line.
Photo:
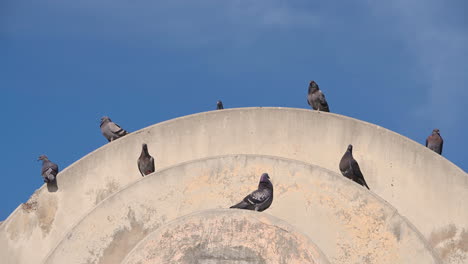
{"points": [[241, 205], [122, 132], [363, 183], [323, 106]]}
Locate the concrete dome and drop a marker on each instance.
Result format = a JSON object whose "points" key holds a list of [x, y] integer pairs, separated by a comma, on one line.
{"points": [[424, 187]]}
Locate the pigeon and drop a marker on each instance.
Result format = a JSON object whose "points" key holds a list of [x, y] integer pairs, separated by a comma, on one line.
{"points": [[145, 161], [111, 130], [435, 141], [219, 105], [260, 199], [350, 168], [316, 98], [49, 169]]}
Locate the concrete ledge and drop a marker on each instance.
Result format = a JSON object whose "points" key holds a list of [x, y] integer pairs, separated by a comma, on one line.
{"points": [[424, 186], [226, 236], [347, 222]]}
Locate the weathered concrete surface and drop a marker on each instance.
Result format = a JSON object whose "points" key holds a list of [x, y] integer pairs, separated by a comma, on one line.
{"points": [[226, 236], [347, 222], [423, 186]]}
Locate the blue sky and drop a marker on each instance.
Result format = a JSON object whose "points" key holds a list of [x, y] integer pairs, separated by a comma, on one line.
{"points": [[64, 64]]}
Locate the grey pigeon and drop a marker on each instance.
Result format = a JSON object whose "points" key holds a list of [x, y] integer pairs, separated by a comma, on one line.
{"points": [[350, 168], [260, 199], [219, 105], [435, 141], [316, 98], [49, 169], [145, 162], [111, 130]]}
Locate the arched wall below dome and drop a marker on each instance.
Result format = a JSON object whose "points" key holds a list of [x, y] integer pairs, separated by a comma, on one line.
{"points": [[346, 221], [227, 236]]}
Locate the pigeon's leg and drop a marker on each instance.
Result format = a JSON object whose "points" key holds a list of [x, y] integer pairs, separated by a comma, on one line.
{"points": [[256, 208]]}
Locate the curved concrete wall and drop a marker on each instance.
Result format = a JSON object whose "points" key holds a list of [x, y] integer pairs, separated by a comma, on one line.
{"points": [[226, 236], [424, 186], [348, 223]]}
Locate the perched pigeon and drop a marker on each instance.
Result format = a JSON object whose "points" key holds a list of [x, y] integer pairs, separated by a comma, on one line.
{"points": [[145, 162], [316, 98], [350, 168], [111, 130], [260, 199], [49, 169], [219, 105], [435, 141]]}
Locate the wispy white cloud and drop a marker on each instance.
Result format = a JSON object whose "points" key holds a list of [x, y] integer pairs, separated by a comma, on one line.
{"points": [[271, 13], [442, 52], [201, 21]]}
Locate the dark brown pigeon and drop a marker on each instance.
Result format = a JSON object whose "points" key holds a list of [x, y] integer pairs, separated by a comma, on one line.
{"points": [[111, 130], [316, 98], [350, 168], [49, 169], [145, 162], [260, 199], [435, 141], [219, 105]]}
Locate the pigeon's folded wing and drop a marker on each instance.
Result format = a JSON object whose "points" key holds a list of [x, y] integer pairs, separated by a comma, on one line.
{"points": [[257, 197], [139, 167], [114, 127], [356, 170], [50, 166], [152, 164]]}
